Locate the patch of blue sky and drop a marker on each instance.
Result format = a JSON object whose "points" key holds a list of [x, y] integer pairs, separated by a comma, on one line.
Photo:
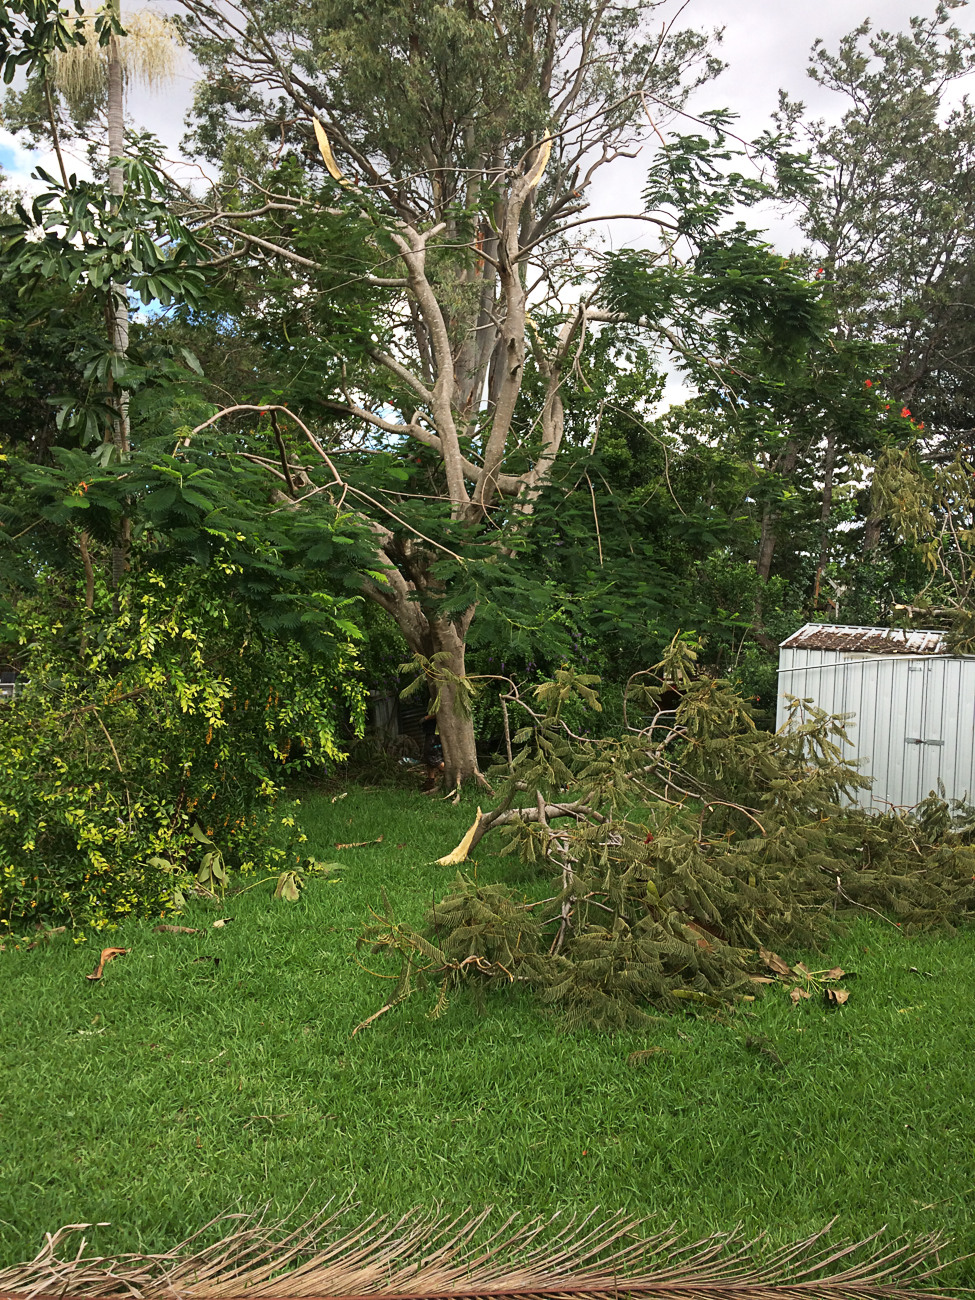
{"points": [[18, 162]]}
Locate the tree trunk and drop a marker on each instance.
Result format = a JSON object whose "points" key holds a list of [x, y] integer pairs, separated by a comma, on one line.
{"points": [[825, 513], [766, 545], [785, 467], [454, 721], [403, 597], [118, 309], [871, 535]]}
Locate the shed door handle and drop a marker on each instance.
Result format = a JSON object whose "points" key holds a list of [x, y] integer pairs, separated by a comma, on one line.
{"points": [[916, 740]]}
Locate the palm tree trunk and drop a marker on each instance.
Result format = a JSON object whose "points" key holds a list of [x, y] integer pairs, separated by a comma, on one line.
{"points": [[119, 309]]}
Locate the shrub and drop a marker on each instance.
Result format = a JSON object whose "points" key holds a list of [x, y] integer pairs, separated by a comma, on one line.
{"points": [[148, 739]]}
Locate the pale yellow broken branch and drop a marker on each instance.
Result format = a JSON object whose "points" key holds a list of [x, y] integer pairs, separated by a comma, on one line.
{"points": [[326, 149], [541, 162], [463, 848]]}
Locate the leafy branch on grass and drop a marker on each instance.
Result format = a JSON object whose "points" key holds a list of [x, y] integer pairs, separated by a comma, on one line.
{"points": [[674, 852]]}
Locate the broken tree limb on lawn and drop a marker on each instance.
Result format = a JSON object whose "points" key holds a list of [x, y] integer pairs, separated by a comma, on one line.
{"points": [[541, 814]]}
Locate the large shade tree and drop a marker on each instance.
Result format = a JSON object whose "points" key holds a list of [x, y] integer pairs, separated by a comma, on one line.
{"points": [[432, 163], [469, 136]]}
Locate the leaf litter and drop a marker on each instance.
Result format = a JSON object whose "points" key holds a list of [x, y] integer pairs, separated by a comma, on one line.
{"points": [[804, 982]]}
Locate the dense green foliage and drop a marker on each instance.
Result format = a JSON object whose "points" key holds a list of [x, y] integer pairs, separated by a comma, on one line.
{"points": [[145, 748]]}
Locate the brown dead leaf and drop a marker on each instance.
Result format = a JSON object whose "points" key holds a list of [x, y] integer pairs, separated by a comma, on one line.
{"points": [[638, 1058], [176, 929], [360, 844], [224, 920], [797, 994], [763, 979], [801, 969], [774, 962], [836, 973], [106, 957], [836, 997], [45, 936]]}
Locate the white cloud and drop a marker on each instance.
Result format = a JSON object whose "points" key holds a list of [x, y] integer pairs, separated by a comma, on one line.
{"points": [[18, 162]]}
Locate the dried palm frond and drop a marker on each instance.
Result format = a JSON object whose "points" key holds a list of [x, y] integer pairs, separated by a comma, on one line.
{"points": [[149, 54], [425, 1255]]}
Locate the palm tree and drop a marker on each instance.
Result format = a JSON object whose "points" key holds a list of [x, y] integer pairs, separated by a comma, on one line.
{"points": [[146, 53]]}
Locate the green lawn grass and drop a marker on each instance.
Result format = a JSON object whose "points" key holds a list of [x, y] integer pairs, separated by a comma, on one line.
{"points": [[177, 1088]]}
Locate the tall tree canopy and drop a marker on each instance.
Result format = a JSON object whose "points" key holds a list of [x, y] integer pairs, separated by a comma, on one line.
{"points": [[892, 222]]}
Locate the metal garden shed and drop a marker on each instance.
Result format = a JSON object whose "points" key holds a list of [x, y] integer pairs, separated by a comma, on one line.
{"points": [[914, 706]]}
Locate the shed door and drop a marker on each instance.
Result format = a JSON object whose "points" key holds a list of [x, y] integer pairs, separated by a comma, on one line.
{"points": [[924, 740]]}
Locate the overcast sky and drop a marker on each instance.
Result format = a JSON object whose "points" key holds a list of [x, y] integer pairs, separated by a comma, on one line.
{"points": [[766, 45]]}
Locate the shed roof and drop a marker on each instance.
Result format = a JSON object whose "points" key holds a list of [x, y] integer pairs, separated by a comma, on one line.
{"points": [[874, 640]]}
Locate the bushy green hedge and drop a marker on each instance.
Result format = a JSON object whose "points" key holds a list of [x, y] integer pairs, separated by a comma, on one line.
{"points": [[148, 738]]}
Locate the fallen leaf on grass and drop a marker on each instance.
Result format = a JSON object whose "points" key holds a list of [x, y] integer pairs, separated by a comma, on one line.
{"points": [[800, 969], [288, 886], [796, 994], [337, 797], [836, 997], [224, 920], [763, 979], [638, 1058], [360, 844], [836, 973], [176, 929], [106, 957], [774, 962]]}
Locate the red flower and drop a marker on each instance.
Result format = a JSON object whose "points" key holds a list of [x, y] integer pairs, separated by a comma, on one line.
{"points": [[905, 413], [868, 383]]}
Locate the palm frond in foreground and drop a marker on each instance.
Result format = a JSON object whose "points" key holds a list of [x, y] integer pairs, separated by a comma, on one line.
{"points": [[423, 1255]]}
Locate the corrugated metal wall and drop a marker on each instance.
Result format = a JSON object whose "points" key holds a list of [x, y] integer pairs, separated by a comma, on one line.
{"points": [[914, 718]]}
